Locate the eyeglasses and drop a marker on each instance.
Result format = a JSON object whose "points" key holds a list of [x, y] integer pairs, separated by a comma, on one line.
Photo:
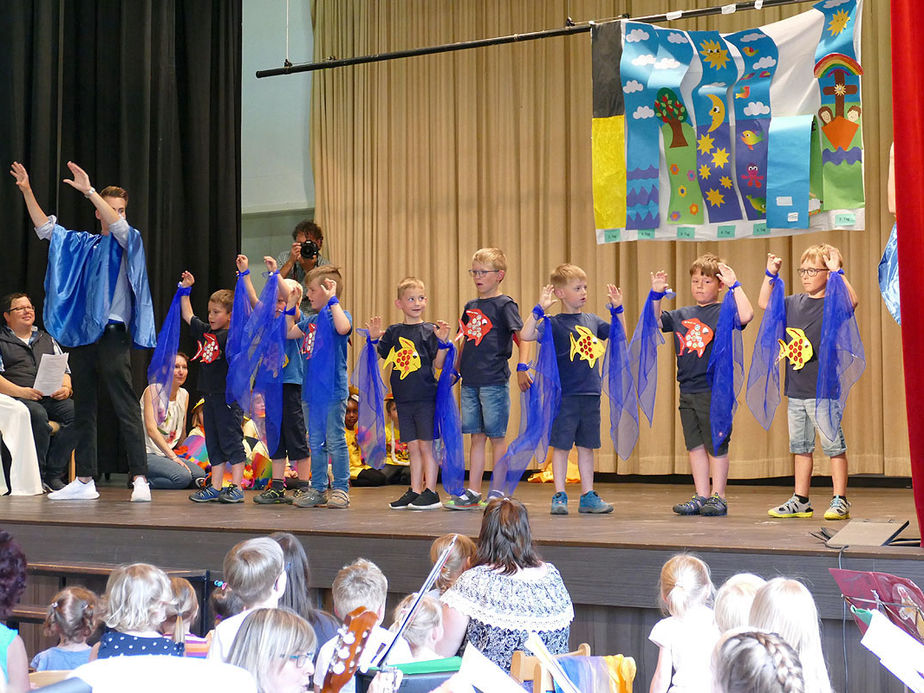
{"points": [[811, 271], [30, 309], [481, 273], [301, 659]]}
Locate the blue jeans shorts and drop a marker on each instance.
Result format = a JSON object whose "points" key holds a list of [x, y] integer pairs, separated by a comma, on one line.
{"points": [[486, 409], [577, 423], [802, 427]]}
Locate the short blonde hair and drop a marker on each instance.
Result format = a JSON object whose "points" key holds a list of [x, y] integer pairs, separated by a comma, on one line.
{"points": [[251, 567], [685, 583], [429, 615], [491, 256], [565, 274], [323, 272], [267, 639], [361, 583], [409, 283], [137, 597], [706, 264], [733, 600], [224, 298], [818, 252], [459, 559]]}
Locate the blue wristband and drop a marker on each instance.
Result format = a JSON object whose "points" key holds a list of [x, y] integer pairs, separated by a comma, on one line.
{"points": [[770, 274], [616, 310], [522, 367], [734, 286], [538, 312], [840, 271], [289, 311], [244, 273], [656, 295], [184, 290], [332, 301], [444, 345], [373, 341]]}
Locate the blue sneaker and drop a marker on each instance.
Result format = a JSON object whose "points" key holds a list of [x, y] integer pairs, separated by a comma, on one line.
{"points": [[206, 494], [690, 507], [560, 503], [231, 494], [592, 503]]}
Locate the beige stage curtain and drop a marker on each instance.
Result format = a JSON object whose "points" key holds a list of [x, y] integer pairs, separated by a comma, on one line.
{"points": [[418, 162]]}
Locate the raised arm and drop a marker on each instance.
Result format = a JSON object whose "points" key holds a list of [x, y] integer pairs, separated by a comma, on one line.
{"points": [[441, 328], [19, 173], [728, 277], [341, 321], [186, 280], [293, 298], [530, 331], [834, 262], [774, 262], [243, 264], [659, 284], [81, 183], [614, 294]]}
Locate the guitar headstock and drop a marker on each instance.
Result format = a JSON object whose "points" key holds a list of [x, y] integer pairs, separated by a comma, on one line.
{"points": [[351, 640]]}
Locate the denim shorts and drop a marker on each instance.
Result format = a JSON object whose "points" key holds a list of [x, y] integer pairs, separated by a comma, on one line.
{"points": [[485, 409], [694, 410], [577, 423], [802, 427]]}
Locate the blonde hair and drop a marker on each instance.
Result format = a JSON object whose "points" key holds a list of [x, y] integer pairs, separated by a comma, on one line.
{"points": [[361, 583], [251, 567], [429, 615], [224, 298], [816, 253], [182, 610], [73, 615], [733, 600], [706, 264], [265, 642], [323, 272], [685, 583], [491, 256], [757, 662], [137, 597], [409, 283], [565, 274], [786, 607], [459, 559]]}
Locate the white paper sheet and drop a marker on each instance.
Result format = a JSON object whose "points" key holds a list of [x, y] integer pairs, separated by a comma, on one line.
{"points": [[50, 374]]}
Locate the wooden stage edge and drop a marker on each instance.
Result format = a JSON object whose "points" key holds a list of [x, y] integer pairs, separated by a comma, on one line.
{"points": [[610, 563]]}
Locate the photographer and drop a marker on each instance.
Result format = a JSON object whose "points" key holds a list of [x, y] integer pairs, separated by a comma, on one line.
{"points": [[303, 256]]}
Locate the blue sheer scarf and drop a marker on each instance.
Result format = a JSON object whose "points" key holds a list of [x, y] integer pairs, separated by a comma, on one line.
{"points": [[841, 358], [240, 315], [763, 393], [726, 368], [367, 378], [160, 372], [320, 374], [619, 387], [536, 416], [643, 356], [450, 452]]}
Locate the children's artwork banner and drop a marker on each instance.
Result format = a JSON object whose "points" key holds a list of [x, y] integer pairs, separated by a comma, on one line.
{"points": [[705, 136]]}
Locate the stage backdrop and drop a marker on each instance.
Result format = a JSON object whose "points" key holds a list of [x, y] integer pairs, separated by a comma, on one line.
{"points": [[419, 162]]}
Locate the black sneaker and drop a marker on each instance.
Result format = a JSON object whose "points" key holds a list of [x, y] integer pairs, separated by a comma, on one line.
{"points": [[690, 507], [427, 500], [231, 494], [715, 506], [272, 496], [404, 501]]}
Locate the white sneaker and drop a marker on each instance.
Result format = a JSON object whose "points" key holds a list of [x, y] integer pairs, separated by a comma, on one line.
{"points": [[76, 490], [141, 491]]}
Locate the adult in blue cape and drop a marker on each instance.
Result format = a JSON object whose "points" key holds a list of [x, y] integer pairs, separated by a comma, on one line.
{"points": [[97, 304]]}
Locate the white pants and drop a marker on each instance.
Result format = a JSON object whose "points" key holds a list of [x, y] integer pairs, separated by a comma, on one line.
{"points": [[16, 428]]}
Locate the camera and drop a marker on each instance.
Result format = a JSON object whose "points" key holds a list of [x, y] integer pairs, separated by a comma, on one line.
{"points": [[310, 250]]}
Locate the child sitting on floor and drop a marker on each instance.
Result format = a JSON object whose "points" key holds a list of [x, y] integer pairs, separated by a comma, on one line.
{"points": [[72, 617]]}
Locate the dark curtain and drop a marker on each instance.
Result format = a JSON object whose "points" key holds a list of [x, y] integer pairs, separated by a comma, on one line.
{"points": [[144, 94]]}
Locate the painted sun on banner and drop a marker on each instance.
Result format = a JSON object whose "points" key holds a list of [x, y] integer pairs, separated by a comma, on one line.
{"points": [[702, 136]]}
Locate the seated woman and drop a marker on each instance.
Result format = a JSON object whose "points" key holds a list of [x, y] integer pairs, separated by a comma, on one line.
{"points": [[16, 437], [507, 594], [166, 469]]}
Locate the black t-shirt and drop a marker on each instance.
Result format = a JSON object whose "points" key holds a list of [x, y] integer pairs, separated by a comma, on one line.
{"points": [[412, 358], [489, 325], [579, 349], [694, 330], [803, 317], [210, 353]]}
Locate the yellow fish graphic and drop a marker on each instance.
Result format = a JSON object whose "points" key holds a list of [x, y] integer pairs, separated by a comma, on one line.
{"points": [[588, 347], [406, 359], [798, 351]]}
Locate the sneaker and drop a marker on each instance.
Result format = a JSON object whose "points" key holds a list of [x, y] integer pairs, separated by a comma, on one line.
{"points": [[272, 496], [467, 500], [690, 507], [205, 494], [310, 498], [141, 490], [715, 506], [53, 483], [560, 503], [426, 500], [404, 501], [76, 490], [792, 508], [493, 495], [592, 503], [338, 498], [839, 509], [231, 494]]}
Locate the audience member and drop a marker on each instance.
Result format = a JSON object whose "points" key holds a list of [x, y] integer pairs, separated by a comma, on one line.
{"points": [[276, 646], [22, 347], [72, 617], [754, 661], [14, 664], [734, 599], [182, 611], [16, 438], [507, 594], [224, 603], [459, 560], [425, 627]]}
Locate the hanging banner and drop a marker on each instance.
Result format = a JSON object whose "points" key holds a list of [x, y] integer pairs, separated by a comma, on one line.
{"points": [[730, 108]]}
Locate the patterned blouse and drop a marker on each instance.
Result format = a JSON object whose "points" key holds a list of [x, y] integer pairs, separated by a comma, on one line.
{"points": [[504, 609]]}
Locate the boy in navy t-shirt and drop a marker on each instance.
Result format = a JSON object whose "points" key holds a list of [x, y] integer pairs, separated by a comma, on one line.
{"points": [[414, 348], [579, 351], [487, 329], [694, 327]]}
